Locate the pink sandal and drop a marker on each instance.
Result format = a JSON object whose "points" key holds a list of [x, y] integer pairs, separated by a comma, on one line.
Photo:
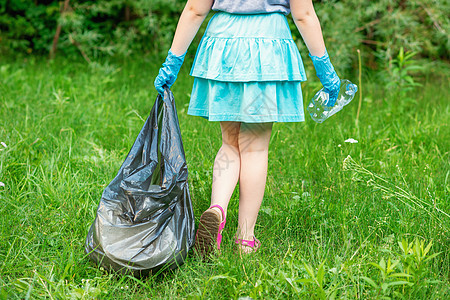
{"points": [[209, 232], [255, 244]]}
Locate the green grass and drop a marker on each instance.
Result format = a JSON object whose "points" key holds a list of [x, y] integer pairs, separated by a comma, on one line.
{"points": [[330, 224]]}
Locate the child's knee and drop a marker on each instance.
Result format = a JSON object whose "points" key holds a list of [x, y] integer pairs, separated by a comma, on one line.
{"points": [[255, 137], [230, 133], [253, 143]]}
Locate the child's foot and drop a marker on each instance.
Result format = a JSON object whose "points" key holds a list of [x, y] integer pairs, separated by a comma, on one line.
{"points": [[209, 233], [248, 246]]}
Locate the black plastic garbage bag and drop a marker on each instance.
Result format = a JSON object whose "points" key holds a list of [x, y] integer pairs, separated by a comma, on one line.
{"points": [[145, 219]]}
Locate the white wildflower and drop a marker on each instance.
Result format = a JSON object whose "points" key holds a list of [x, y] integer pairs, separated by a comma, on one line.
{"points": [[2, 184], [306, 195], [352, 141], [4, 144], [333, 270]]}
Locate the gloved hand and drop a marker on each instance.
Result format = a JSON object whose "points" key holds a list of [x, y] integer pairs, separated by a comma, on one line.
{"points": [[169, 71], [327, 76]]}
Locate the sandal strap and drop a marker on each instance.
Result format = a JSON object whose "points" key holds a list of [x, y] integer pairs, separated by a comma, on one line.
{"points": [[252, 244], [221, 226], [221, 209]]}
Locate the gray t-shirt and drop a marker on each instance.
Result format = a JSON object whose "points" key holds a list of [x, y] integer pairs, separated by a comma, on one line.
{"points": [[252, 6]]}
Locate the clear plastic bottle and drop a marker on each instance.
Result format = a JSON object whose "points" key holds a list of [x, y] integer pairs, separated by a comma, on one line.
{"points": [[318, 109]]}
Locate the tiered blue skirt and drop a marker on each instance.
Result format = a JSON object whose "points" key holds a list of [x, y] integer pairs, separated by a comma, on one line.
{"points": [[248, 69]]}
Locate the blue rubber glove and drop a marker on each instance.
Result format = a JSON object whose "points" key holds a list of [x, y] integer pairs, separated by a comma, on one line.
{"points": [[169, 71], [327, 76]]}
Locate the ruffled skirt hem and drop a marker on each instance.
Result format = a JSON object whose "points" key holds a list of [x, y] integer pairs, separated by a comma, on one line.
{"points": [[250, 102], [247, 119], [248, 48], [248, 59]]}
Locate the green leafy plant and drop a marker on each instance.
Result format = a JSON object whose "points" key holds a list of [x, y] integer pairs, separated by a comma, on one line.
{"points": [[405, 276], [388, 278], [415, 257], [315, 283], [399, 71]]}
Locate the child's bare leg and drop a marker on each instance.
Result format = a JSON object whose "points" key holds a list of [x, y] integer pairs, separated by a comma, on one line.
{"points": [[254, 148], [226, 166]]}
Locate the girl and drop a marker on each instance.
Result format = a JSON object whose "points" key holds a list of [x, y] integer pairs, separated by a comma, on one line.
{"points": [[247, 75]]}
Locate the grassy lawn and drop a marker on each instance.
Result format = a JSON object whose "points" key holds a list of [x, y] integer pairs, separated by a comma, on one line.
{"points": [[333, 213]]}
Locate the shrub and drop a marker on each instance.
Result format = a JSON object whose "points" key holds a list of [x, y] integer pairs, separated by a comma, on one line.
{"points": [[122, 27]]}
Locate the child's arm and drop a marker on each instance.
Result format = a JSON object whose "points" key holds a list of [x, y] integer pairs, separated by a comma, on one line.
{"points": [[192, 17], [308, 25], [306, 20]]}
